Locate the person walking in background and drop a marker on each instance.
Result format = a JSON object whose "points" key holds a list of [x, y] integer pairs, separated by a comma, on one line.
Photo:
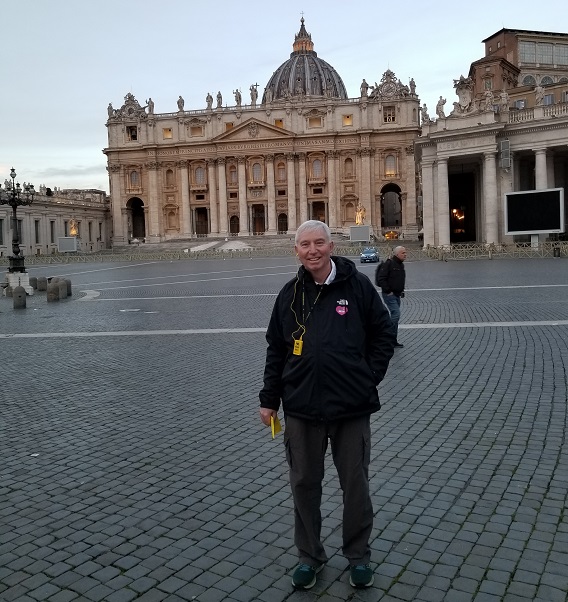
{"points": [[329, 345], [391, 278]]}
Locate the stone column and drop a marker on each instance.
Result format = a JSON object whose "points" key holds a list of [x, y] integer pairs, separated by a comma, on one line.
{"points": [[223, 213], [243, 213], [409, 207], [154, 234], [443, 204], [303, 183], [151, 131], [333, 193], [428, 203], [185, 204], [119, 235], [271, 194], [491, 202], [291, 193], [211, 183], [541, 172], [365, 198]]}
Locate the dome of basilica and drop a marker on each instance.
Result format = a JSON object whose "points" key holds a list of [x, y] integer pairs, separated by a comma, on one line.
{"points": [[304, 74]]}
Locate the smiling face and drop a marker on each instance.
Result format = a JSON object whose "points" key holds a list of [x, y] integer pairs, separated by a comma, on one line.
{"points": [[314, 251]]}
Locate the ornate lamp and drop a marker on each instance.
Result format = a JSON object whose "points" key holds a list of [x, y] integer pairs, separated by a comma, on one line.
{"points": [[15, 195]]}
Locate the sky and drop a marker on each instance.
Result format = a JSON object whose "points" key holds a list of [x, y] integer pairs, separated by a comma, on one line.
{"points": [[63, 61]]}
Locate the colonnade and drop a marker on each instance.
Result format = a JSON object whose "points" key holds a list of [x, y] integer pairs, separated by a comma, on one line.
{"points": [[436, 198]]}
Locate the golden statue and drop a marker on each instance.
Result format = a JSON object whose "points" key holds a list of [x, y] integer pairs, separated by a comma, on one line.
{"points": [[360, 214]]}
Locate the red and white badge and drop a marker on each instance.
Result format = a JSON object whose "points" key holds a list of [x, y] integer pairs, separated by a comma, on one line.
{"points": [[341, 308]]}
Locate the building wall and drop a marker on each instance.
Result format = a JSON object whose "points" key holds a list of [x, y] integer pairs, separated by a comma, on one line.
{"points": [[86, 210]]}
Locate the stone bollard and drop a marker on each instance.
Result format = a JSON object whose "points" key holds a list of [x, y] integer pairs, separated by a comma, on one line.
{"points": [[33, 282], [68, 283], [9, 291], [53, 291], [19, 295], [42, 283], [62, 288]]}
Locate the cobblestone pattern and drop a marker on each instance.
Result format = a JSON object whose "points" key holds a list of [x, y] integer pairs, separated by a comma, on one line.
{"points": [[135, 468]]}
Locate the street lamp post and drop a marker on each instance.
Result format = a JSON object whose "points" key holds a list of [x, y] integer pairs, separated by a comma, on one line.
{"points": [[15, 195]]}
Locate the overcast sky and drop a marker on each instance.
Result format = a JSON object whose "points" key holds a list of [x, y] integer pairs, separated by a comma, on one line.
{"points": [[63, 61]]}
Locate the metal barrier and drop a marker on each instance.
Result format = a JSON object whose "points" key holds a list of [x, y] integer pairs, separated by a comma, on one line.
{"points": [[458, 252]]}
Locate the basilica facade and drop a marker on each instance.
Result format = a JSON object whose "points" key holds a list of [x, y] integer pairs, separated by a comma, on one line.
{"points": [[264, 164]]}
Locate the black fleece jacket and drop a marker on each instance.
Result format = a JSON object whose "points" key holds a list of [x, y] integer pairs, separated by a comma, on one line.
{"points": [[347, 346]]}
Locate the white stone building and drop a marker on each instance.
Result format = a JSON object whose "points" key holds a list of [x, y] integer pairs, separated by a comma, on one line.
{"points": [[57, 213], [507, 132], [264, 165]]}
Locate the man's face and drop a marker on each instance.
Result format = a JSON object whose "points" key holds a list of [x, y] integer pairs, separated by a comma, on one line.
{"points": [[401, 254], [314, 251]]}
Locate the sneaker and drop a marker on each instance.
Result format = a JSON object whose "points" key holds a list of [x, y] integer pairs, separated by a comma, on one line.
{"points": [[361, 575], [397, 344], [304, 576]]}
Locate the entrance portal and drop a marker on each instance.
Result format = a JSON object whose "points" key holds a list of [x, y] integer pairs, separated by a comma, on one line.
{"points": [[462, 207], [234, 225], [201, 222], [136, 207], [258, 223], [318, 211]]}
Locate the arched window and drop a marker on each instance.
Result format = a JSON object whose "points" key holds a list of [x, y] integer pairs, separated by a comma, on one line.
{"points": [[546, 81], [256, 172], [134, 179], [200, 176], [233, 174], [390, 166], [169, 178], [529, 80], [348, 167], [317, 168], [281, 172]]}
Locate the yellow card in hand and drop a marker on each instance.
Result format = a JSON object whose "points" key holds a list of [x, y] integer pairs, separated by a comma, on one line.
{"points": [[275, 426]]}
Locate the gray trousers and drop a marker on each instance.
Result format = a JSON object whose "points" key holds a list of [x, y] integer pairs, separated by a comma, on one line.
{"points": [[306, 445]]}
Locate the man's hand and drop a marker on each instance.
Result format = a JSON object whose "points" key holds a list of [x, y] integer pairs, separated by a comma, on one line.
{"points": [[266, 414]]}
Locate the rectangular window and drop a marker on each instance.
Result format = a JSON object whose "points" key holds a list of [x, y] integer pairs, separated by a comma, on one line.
{"points": [[561, 54], [228, 126], [565, 96], [347, 120], [527, 52], [131, 133], [520, 104], [389, 114], [65, 228], [548, 99], [100, 231], [314, 122], [196, 130], [233, 195], [90, 231], [281, 193], [1, 231], [199, 197], [279, 123], [167, 133], [318, 190], [52, 232], [36, 231], [544, 54], [78, 229]]}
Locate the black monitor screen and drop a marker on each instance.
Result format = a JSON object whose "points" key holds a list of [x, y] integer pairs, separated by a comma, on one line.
{"points": [[534, 211]]}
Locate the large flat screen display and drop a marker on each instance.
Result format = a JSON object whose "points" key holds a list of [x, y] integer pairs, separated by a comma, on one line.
{"points": [[535, 211]]}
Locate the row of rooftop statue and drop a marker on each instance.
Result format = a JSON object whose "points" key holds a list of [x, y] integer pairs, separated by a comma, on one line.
{"points": [[389, 87], [366, 90]]}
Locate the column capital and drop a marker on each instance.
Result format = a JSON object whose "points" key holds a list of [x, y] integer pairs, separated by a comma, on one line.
{"points": [[241, 160], [152, 165], [220, 161], [181, 163], [290, 156], [302, 156], [269, 157], [114, 168], [332, 154]]}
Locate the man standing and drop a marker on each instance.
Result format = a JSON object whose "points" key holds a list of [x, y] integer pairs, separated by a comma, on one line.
{"points": [[329, 345], [391, 278]]}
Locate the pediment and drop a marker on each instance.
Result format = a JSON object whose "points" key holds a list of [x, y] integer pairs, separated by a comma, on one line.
{"points": [[251, 130]]}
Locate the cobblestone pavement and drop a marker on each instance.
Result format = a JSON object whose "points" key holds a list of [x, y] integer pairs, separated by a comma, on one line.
{"points": [[133, 465]]}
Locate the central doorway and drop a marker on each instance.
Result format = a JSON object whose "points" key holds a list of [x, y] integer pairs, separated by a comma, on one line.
{"points": [[462, 207]]}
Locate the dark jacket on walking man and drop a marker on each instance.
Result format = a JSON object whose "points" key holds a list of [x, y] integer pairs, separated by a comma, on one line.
{"points": [[329, 345], [391, 277]]}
